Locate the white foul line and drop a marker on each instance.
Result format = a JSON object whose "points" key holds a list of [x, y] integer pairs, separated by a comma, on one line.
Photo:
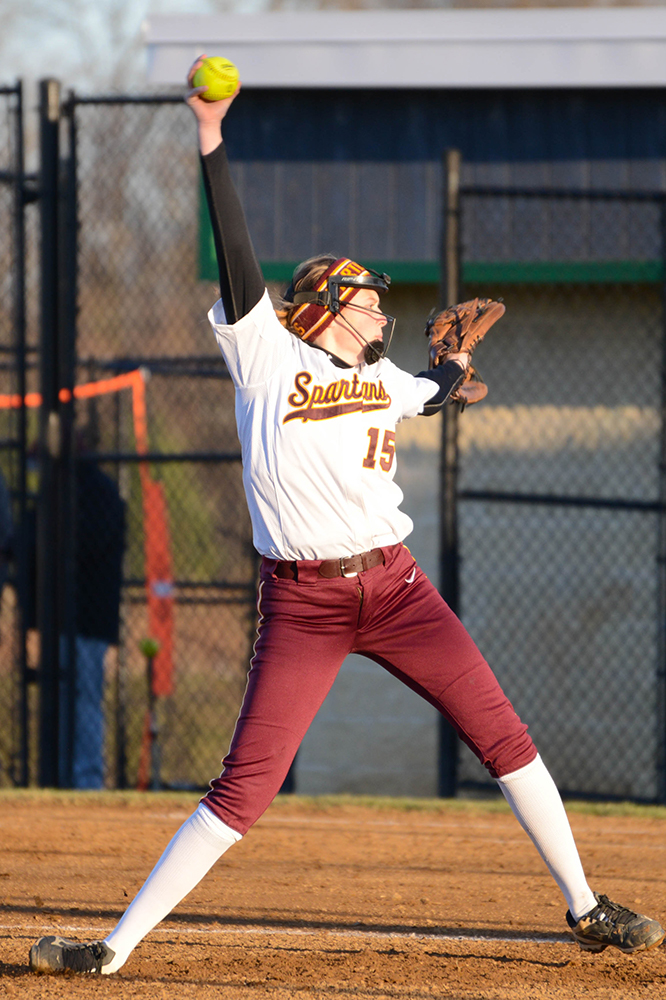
{"points": [[307, 932]]}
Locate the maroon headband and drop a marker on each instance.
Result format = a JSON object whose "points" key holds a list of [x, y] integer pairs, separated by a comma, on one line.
{"points": [[311, 318]]}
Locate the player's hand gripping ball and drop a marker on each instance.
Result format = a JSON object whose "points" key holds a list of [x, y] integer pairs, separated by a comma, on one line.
{"points": [[219, 75]]}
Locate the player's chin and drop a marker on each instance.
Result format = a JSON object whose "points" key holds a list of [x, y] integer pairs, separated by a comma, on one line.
{"points": [[373, 351]]}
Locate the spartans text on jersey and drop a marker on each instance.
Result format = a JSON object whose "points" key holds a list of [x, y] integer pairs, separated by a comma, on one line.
{"points": [[321, 402]]}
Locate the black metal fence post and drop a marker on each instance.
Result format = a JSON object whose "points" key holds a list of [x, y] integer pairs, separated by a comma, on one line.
{"points": [[49, 435], [22, 195], [661, 554], [66, 363], [448, 518]]}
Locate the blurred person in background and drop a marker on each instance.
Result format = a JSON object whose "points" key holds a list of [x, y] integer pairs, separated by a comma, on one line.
{"points": [[99, 544], [99, 548]]}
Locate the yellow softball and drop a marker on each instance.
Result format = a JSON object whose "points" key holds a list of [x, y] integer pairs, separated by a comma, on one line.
{"points": [[219, 75]]}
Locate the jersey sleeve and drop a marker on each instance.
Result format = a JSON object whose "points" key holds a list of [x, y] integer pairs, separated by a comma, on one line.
{"points": [[446, 378], [410, 392], [241, 281], [426, 392], [256, 346]]}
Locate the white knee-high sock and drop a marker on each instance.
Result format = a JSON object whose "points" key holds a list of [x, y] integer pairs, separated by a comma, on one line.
{"points": [[192, 852], [536, 804]]}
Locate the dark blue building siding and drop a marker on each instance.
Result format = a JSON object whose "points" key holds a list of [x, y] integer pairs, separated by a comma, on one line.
{"points": [[358, 172], [498, 126]]}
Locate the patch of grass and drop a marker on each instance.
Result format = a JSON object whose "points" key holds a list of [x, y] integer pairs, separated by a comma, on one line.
{"points": [[329, 803], [133, 799], [129, 798], [639, 810], [481, 804]]}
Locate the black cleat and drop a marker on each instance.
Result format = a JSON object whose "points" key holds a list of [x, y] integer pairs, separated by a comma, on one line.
{"points": [[55, 954], [608, 923]]}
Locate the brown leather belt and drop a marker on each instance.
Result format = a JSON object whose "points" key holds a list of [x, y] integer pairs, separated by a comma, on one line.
{"points": [[331, 568]]}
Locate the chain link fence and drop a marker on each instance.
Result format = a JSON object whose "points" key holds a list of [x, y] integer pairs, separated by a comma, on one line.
{"points": [[561, 480], [142, 306], [560, 490]]}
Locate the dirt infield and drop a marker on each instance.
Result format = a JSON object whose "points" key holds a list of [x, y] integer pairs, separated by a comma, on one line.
{"points": [[326, 898]]}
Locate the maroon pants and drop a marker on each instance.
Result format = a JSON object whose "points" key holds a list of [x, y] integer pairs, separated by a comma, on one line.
{"points": [[390, 613]]}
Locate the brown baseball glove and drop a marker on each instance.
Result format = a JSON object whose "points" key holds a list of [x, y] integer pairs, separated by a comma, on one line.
{"points": [[458, 330]]}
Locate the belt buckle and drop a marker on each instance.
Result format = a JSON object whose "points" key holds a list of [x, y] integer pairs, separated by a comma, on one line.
{"points": [[345, 572]]}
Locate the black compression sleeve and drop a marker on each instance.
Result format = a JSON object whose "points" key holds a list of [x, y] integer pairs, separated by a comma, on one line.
{"points": [[241, 281], [448, 377]]}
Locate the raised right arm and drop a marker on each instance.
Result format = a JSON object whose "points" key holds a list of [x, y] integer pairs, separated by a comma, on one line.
{"points": [[241, 281]]}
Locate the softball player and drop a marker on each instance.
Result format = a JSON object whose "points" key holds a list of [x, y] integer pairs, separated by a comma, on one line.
{"points": [[317, 404]]}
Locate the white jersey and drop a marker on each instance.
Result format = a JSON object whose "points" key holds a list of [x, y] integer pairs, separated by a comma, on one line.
{"points": [[317, 440]]}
